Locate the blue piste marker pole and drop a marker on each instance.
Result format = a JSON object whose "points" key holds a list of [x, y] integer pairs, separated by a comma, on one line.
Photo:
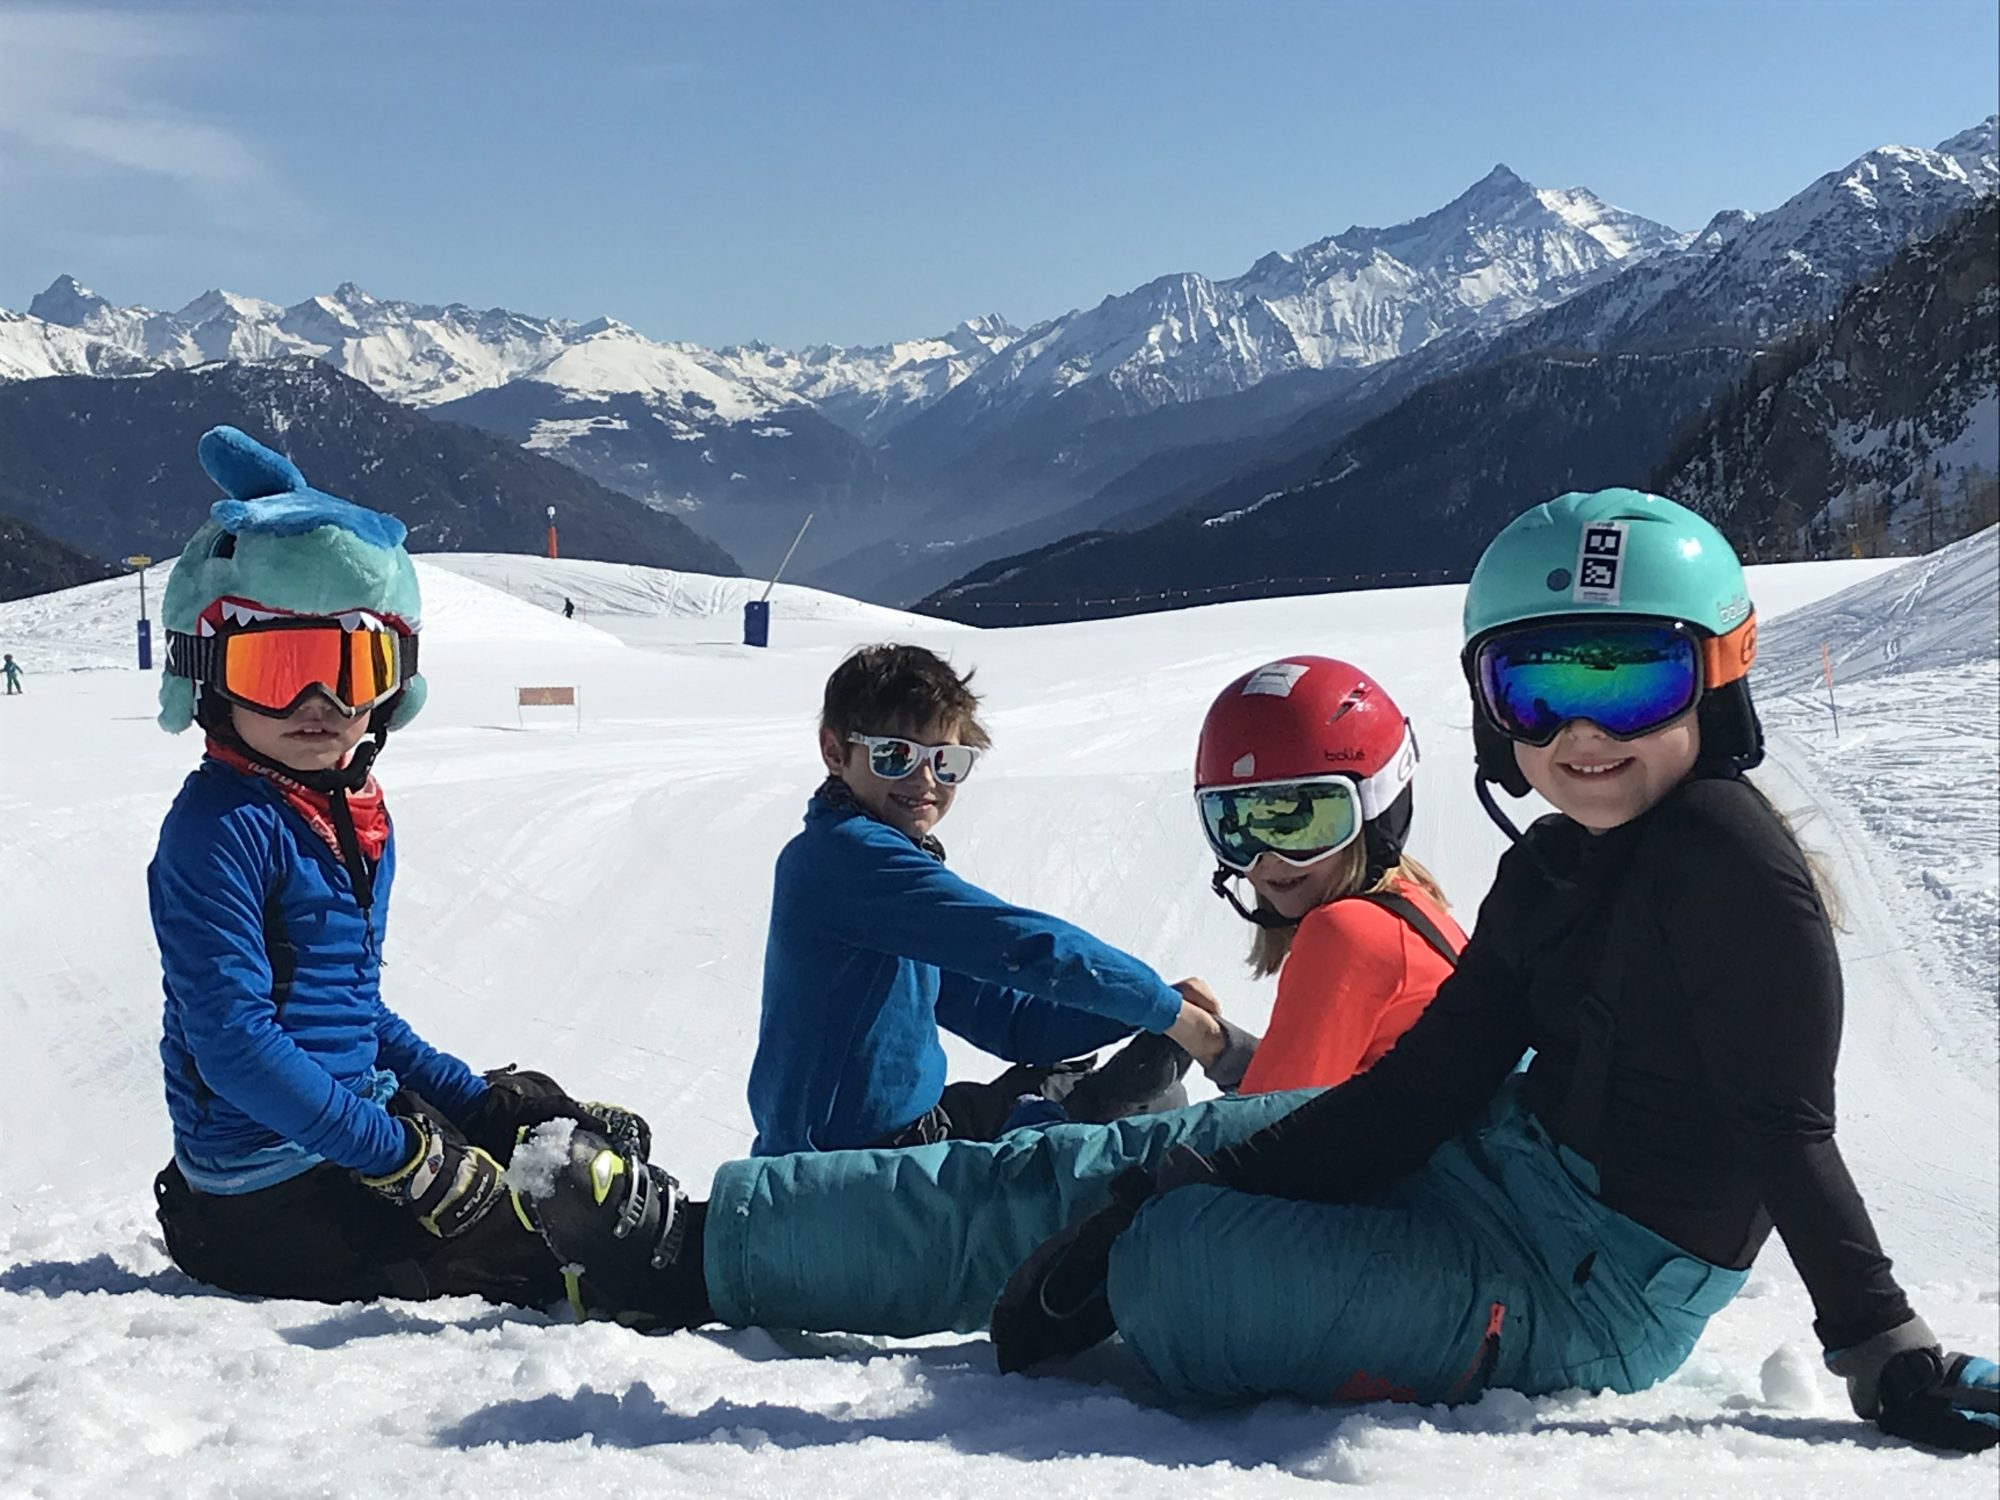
{"points": [[145, 625]]}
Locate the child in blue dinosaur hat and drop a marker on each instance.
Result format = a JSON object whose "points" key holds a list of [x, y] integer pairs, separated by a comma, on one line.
{"points": [[322, 1148]]}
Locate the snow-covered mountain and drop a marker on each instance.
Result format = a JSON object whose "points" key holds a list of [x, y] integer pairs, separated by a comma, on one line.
{"points": [[31, 348], [1501, 249], [867, 389], [1879, 429], [1751, 276], [929, 447], [750, 437], [424, 355]]}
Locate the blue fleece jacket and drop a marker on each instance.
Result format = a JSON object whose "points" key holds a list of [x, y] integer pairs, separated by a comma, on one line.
{"points": [[269, 1073], [873, 946]]}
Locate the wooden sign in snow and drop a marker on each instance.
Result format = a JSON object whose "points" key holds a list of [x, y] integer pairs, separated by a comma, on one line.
{"points": [[548, 697]]}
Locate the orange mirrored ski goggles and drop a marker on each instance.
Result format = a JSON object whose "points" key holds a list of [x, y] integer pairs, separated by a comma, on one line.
{"points": [[274, 666]]}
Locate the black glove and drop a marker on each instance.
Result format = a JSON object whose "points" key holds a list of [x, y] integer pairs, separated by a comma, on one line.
{"points": [[1055, 1305], [1910, 1388], [515, 1101], [447, 1184]]}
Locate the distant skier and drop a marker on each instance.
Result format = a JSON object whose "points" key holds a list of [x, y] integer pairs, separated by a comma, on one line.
{"points": [[569, 608], [322, 1149], [1442, 1224], [11, 670], [1304, 782], [875, 945]]}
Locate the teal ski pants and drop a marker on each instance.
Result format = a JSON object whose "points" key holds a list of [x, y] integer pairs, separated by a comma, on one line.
{"points": [[1493, 1265]]}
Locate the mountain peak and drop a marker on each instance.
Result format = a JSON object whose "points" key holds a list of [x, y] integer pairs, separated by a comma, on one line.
{"points": [[1977, 143], [66, 301], [1499, 190]]}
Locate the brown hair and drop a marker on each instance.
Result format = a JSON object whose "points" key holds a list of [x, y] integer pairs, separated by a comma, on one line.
{"points": [[1269, 947], [889, 688]]}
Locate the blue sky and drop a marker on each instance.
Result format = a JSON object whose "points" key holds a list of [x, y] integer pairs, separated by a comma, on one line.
{"points": [[853, 171]]}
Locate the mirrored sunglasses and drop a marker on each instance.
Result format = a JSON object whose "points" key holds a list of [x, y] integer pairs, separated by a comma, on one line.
{"points": [[892, 758]]}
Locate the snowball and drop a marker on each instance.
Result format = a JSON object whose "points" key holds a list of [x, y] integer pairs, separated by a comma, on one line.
{"points": [[1790, 1378], [531, 1171]]}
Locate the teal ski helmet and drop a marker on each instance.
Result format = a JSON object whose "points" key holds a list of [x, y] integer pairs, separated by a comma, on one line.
{"points": [[1615, 552]]}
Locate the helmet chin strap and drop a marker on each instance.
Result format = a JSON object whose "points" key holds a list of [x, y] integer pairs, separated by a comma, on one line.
{"points": [[1220, 885], [1484, 788]]}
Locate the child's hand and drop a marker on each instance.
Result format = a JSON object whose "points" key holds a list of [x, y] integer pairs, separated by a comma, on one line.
{"points": [[1227, 1070], [519, 1099], [448, 1185], [1197, 992], [1199, 1032]]}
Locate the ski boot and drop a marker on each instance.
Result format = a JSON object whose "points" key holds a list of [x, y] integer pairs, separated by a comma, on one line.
{"points": [[627, 1235]]}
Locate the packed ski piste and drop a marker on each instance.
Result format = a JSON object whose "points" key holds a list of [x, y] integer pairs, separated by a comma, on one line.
{"points": [[1414, 1104]]}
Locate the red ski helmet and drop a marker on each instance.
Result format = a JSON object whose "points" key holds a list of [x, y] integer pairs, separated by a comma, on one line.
{"points": [[1311, 716]]}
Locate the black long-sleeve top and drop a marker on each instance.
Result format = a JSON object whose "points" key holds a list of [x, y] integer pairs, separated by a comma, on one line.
{"points": [[1718, 1110]]}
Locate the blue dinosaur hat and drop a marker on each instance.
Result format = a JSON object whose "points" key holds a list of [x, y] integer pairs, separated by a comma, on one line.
{"points": [[277, 546]]}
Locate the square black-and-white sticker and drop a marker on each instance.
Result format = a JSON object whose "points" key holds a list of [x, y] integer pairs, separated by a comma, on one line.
{"points": [[1600, 562]]}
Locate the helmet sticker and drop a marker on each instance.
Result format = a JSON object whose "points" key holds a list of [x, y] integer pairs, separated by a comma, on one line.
{"points": [[1357, 696], [1246, 765], [1600, 559], [1733, 611], [1278, 679]]}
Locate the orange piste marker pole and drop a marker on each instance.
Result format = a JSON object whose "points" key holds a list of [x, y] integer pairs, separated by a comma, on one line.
{"points": [[552, 539], [1826, 670]]}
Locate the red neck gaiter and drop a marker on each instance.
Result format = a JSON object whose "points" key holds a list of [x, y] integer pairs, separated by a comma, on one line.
{"points": [[370, 813]]}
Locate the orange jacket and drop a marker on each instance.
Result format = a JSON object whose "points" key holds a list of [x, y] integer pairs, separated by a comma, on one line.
{"points": [[1356, 979]]}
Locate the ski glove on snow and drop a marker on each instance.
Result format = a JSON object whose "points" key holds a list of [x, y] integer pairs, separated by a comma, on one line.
{"points": [[1056, 1304], [447, 1184], [1910, 1388], [516, 1101]]}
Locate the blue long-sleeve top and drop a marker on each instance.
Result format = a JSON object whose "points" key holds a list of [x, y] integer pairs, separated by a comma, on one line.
{"points": [[874, 945], [272, 1067]]}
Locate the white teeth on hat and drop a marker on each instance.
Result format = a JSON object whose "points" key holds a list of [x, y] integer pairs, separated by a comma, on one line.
{"points": [[234, 613]]}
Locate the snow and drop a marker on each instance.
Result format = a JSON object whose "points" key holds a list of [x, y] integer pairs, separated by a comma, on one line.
{"points": [[1914, 756], [553, 434], [614, 359], [592, 902], [538, 1160]]}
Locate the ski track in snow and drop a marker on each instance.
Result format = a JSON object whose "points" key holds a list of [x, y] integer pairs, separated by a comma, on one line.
{"points": [[592, 902]]}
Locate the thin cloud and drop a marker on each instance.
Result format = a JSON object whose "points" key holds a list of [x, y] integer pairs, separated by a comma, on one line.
{"points": [[82, 94]]}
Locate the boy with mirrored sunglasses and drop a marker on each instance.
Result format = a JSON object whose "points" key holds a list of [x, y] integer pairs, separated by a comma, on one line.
{"points": [[875, 946]]}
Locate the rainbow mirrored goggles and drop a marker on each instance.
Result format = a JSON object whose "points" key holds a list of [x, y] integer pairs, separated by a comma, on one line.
{"points": [[271, 663], [1628, 677], [892, 757], [1302, 822]]}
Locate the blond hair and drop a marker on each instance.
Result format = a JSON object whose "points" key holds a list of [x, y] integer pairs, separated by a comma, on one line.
{"points": [[1271, 944]]}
